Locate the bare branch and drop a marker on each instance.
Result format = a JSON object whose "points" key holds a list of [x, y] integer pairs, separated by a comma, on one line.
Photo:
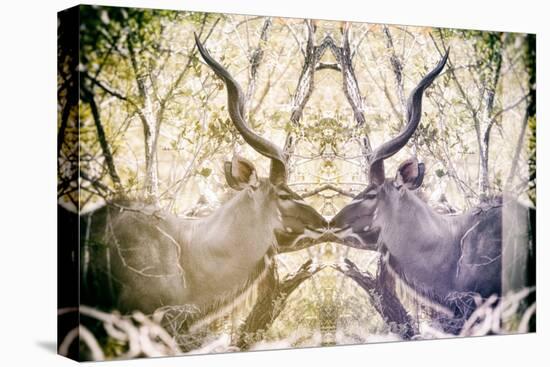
{"points": [[325, 188]]}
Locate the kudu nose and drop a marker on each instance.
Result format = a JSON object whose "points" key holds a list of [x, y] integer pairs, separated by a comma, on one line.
{"points": [[312, 219], [339, 221], [319, 222]]}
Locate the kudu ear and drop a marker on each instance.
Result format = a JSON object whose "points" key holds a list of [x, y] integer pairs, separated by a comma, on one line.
{"points": [[240, 173], [410, 174]]}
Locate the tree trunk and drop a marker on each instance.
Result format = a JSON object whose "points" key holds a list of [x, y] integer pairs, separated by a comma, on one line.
{"points": [[255, 61], [483, 131], [88, 97], [151, 127], [397, 68], [350, 86], [305, 85], [151, 132], [271, 301]]}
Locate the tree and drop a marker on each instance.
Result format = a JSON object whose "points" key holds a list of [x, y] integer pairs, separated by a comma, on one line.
{"points": [[133, 37]]}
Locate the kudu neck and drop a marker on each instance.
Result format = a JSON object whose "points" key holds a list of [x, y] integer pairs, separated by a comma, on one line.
{"points": [[243, 226], [422, 243], [411, 227]]}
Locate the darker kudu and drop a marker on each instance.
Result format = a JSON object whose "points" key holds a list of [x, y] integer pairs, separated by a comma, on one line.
{"points": [[438, 256]]}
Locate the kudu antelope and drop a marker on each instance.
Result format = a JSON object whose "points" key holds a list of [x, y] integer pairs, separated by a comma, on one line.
{"points": [[439, 256], [157, 259]]}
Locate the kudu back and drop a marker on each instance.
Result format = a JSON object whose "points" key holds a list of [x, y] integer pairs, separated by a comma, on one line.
{"points": [[153, 258], [439, 256]]}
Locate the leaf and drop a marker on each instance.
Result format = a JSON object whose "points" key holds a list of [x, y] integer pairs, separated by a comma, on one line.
{"points": [[205, 172]]}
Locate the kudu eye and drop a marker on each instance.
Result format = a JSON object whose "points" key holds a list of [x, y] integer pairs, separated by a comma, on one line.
{"points": [[369, 195], [285, 196]]}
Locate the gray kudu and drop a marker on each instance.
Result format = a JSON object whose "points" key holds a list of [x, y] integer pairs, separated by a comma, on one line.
{"points": [[156, 259], [438, 256]]}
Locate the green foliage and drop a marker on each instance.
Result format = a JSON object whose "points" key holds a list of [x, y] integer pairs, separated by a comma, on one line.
{"points": [[439, 172], [205, 172]]}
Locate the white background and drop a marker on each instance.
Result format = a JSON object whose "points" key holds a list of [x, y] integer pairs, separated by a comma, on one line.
{"points": [[28, 181]]}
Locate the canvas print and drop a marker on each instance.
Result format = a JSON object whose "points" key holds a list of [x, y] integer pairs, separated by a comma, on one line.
{"points": [[230, 183]]}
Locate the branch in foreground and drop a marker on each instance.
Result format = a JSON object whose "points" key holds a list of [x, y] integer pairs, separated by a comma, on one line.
{"points": [[271, 301], [381, 291], [143, 336]]}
